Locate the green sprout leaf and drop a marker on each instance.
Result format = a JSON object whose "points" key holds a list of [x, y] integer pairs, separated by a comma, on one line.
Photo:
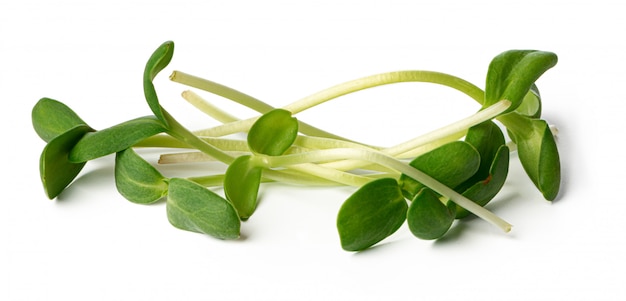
{"points": [[273, 133], [489, 141], [194, 208], [531, 104], [371, 214], [116, 138], [428, 217], [241, 185], [137, 180], [159, 59], [512, 73], [56, 171], [52, 118], [484, 191], [450, 164], [539, 155]]}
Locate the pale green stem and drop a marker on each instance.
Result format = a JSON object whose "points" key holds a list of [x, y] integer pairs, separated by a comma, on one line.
{"points": [[343, 89], [451, 130], [382, 159], [241, 98], [207, 108]]}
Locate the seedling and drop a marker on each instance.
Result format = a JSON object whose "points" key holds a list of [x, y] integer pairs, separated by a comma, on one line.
{"points": [[428, 181]]}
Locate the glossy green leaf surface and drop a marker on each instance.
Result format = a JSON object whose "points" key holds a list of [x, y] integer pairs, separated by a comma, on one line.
{"points": [[194, 208], [159, 59], [273, 133], [540, 157], [116, 138], [241, 185], [451, 164], [486, 138], [512, 73], [486, 189], [371, 214], [55, 169], [52, 118], [428, 217], [137, 180]]}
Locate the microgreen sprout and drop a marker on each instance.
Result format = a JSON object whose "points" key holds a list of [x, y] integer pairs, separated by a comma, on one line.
{"points": [[429, 181]]}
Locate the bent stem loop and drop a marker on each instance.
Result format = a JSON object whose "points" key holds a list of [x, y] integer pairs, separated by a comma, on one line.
{"points": [[385, 160]]}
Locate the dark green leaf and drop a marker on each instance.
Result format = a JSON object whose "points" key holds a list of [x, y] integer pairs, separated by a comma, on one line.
{"points": [[115, 138], [486, 138], [273, 133], [540, 157], [137, 180], [194, 208], [450, 164], [512, 73], [55, 169], [241, 185], [486, 189], [52, 118], [160, 58], [428, 217], [371, 214]]}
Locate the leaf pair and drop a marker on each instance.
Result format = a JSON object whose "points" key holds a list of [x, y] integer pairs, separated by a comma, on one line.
{"points": [[476, 167], [512, 76], [271, 135], [71, 142], [189, 205]]}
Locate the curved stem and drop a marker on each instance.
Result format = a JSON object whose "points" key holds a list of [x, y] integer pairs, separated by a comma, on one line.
{"points": [[385, 79], [330, 93]]}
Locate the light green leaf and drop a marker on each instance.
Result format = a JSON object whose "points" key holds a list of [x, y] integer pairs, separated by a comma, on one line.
{"points": [[540, 157], [194, 208], [137, 180], [241, 185], [371, 214], [273, 133]]}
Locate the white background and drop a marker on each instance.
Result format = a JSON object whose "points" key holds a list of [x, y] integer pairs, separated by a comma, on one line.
{"points": [[91, 244]]}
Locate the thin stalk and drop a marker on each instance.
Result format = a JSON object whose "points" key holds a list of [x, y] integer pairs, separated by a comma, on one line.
{"points": [[238, 97], [385, 160], [207, 107], [327, 94]]}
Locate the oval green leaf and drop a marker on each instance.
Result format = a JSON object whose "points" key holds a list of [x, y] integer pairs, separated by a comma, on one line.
{"points": [[115, 138], [512, 73], [486, 189], [194, 208], [52, 118], [241, 185], [539, 156], [451, 164], [159, 59], [137, 180], [371, 214], [56, 171], [486, 138], [428, 217], [273, 133]]}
